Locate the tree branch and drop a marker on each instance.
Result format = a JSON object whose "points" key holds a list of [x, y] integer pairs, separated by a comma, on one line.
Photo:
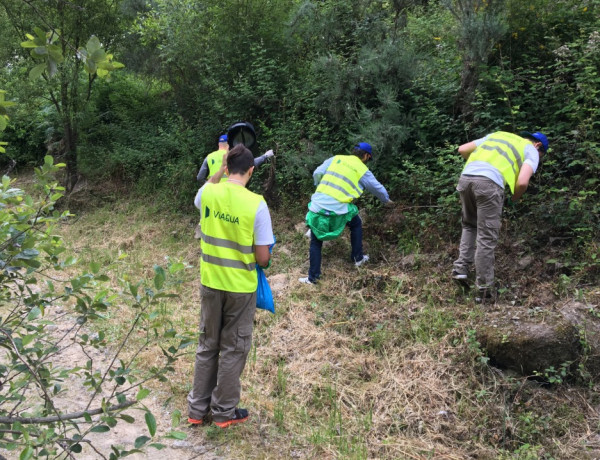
{"points": [[62, 417]]}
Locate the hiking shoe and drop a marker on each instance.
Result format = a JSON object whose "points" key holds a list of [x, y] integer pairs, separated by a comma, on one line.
{"points": [[484, 294], [239, 416], [458, 276], [306, 281], [194, 422], [358, 263], [461, 280]]}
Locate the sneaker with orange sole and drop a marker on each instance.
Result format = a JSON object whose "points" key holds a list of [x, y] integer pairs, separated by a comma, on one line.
{"points": [[194, 422], [206, 420], [239, 416]]}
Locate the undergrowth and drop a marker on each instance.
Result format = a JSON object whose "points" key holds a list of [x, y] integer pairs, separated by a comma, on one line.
{"points": [[376, 362]]}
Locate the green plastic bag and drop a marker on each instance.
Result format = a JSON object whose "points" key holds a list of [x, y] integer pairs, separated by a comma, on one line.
{"points": [[328, 226]]}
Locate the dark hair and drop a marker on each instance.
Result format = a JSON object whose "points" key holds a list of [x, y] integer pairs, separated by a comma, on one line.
{"points": [[359, 152], [239, 160]]}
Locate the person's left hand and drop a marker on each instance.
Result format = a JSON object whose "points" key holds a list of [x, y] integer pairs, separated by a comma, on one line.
{"points": [[269, 154]]}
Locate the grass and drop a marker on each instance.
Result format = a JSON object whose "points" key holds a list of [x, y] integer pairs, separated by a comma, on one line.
{"points": [[376, 362]]}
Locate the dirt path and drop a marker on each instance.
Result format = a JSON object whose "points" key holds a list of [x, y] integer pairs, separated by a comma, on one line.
{"points": [[76, 396]]}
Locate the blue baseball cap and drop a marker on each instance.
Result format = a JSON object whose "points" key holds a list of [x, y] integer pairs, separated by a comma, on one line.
{"points": [[223, 138], [364, 146], [540, 137]]}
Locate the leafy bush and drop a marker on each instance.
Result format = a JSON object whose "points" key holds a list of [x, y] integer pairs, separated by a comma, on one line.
{"points": [[32, 261]]}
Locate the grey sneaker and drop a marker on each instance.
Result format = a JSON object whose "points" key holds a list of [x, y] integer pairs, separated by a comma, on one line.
{"points": [[362, 261], [306, 281]]}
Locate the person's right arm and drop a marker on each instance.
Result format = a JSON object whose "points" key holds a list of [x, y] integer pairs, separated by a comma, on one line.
{"points": [[216, 177], [320, 171], [203, 171], [465, 150], [522, 181], [372, 185]]}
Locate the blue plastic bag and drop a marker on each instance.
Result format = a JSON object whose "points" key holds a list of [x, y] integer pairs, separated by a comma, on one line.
{"points": [[264, 296]]}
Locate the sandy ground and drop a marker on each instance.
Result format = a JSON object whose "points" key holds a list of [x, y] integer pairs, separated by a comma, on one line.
{"points": [[76, 396]]}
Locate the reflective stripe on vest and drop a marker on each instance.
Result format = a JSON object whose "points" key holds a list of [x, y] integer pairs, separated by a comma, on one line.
{"points": [[341, 179], [505, 152], [227, 237], [214, 161]]}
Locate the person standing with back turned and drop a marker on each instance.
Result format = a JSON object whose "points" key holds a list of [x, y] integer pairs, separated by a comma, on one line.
{"points": [[340, 180], [499, 158], [236, 232], [212, 162]]}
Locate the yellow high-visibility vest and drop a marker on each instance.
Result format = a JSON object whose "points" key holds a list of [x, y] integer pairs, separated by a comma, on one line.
{"points": [[341, 178], [505, 152], [227, 237], [214, 161]]}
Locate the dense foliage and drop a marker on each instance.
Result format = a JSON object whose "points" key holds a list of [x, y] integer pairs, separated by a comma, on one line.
{"points": [[414, 78]]}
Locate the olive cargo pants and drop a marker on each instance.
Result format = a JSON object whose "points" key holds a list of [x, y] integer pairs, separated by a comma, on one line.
{"points": [[482, 200], [226, 322]]}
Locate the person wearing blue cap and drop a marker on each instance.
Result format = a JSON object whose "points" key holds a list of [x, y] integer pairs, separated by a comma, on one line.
{"points": [[494, 161], [213, 161], [340, 180]]}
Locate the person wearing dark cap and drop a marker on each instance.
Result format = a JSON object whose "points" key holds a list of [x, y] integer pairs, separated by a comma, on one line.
{"points": [[340, 180], [494, 161], [213, 161]]}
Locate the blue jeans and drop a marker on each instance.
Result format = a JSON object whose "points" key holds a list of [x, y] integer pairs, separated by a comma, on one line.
{"points": [[355, 225]]}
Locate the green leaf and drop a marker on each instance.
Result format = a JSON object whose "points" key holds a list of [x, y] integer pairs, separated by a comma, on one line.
{"points": [[176, 435], [133, 289], [140, 441], [98, 55], [142, 394], [159, 277], [27, 453], [76, 448], [28, 339], [34, 313], [37, 71], [151, 423], [176, 418], [29, 44], [100, 429], [93, 44], [95, 267], [127, 418]]}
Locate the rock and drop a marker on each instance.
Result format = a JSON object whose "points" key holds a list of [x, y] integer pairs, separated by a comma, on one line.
{"points": [[586, 321], [529, 346], [181, 444], [525, 262], [301, 227], [408, 261]]}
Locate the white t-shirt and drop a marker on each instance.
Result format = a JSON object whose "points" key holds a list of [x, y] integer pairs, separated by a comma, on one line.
{"points": [[263, 229], [482, 168]]}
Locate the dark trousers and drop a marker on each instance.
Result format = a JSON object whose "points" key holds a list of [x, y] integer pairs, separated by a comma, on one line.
{"points": [[355, 225]]}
